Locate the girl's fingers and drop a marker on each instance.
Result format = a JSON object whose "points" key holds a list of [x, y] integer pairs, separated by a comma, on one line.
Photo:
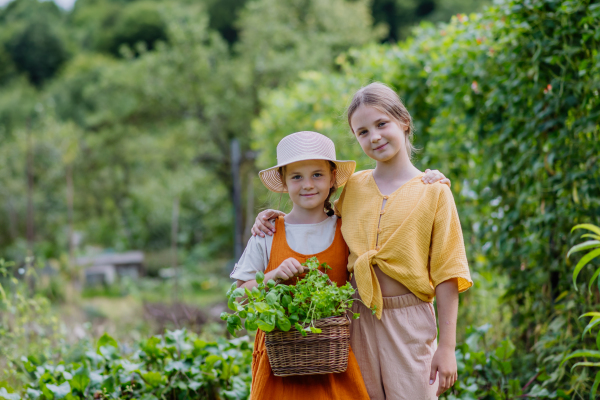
{"points": [[263, 228], [266, 221], [446, 181], [432, 374], [286, 272], [443, 386]]}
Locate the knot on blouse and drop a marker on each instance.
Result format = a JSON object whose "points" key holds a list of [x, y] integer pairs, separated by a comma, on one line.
{"points": [[367, 282]]}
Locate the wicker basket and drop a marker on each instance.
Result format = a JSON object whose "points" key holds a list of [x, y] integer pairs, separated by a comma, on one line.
{"points": [[290, 353]]}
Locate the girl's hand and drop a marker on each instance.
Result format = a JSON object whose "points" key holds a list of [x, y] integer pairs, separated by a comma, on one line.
{"points": [[288, 269], [432, 176], [262, 224], [444, 364]]}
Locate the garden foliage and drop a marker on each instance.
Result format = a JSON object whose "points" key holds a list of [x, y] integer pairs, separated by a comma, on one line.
{"points": [[176, 365], [593, 251]]}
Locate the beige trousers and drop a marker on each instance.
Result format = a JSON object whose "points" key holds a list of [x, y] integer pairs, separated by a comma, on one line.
{"points": [[394, 354]]}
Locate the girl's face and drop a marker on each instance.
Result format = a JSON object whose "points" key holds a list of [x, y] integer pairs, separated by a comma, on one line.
{"points": [[381, 137], [308, 183]]}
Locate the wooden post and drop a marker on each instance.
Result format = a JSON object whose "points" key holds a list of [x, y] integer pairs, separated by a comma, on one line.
{"points": [[236, 160], [174, 231], [69, 176], [29, 169]]}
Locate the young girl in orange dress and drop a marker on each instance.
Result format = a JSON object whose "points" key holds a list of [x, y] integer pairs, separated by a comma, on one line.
{"points": [[308, 171], [406, 248]]}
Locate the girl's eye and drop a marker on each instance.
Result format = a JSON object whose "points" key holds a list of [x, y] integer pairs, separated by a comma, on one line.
{"points": [[361, 133], [381, 124], [296, 177], [318, 175]]}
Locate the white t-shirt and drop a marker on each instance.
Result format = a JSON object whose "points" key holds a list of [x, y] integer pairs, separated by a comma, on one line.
{"points": [[302, 238]]}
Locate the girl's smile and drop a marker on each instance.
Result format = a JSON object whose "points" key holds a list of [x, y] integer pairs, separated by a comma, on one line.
{"points": [[381, 147]]}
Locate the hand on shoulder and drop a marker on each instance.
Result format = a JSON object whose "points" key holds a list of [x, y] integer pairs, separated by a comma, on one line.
{"points": [[263, 223], [433, 176]]}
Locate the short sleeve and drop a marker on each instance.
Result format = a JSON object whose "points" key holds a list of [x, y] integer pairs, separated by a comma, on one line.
{"points": [[337, 205], [448, 258], [254, 259]]}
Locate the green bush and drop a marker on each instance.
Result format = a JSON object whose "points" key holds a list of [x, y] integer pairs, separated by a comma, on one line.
{"points": [[176, 365]]}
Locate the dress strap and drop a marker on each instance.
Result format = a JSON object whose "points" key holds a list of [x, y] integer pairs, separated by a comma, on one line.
{"points": [[279, 244]]}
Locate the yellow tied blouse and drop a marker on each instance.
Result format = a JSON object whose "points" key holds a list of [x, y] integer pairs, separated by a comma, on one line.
{"points": [[415, 238]]}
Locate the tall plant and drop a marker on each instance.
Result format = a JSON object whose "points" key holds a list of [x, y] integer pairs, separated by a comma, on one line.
{"points": [[592, 247]]}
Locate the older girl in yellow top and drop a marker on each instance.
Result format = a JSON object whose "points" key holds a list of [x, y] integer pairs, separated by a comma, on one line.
{"points": [[406, 247]]}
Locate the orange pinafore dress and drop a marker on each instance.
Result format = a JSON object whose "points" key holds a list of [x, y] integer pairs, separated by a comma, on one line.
{"points": [[339, 386]]}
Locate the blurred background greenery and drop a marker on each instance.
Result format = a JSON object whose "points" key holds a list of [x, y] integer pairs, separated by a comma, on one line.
{"points": [[117, 120]]}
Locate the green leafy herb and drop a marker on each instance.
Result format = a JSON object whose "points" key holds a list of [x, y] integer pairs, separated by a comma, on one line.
{"points": [[270, 305]]}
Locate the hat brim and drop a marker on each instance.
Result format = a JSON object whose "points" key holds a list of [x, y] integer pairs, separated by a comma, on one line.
{"points": [[271, 179]]}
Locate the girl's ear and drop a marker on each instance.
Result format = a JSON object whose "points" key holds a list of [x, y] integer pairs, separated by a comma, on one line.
{"points": [[333, 175]]}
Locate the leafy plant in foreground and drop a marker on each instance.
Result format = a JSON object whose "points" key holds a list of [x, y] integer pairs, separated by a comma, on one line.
{"points": [[270, 305], [593, 247], [176, 365]]}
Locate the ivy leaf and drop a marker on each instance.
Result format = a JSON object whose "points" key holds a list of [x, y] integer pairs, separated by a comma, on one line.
{"points": [[8, 396], [153, 378], [59, 391], [106, 340], [80, 380], [505, 350]]}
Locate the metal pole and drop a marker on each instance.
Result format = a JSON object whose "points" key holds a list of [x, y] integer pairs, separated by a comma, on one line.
{"points": [[236, 159]]}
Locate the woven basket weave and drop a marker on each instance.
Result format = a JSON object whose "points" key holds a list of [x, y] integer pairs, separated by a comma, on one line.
{"points": [[290, 353]]}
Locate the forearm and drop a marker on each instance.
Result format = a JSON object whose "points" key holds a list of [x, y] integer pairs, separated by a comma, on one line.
{"points": [[252, 283], [447, 306]]}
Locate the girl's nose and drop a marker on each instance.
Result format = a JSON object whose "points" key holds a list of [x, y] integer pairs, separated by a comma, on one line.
{"points": [[375, 137], [308, 184]]}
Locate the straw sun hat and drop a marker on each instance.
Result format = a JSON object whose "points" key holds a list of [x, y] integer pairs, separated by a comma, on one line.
{"points": [[301, 146]]}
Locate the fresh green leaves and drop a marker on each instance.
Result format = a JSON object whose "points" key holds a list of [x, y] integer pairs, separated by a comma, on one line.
{"points": [[269, 306], [175, 365], [593, 247]]}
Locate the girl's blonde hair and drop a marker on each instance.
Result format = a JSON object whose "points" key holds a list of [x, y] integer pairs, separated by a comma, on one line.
{"points": [[383, 98]]}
